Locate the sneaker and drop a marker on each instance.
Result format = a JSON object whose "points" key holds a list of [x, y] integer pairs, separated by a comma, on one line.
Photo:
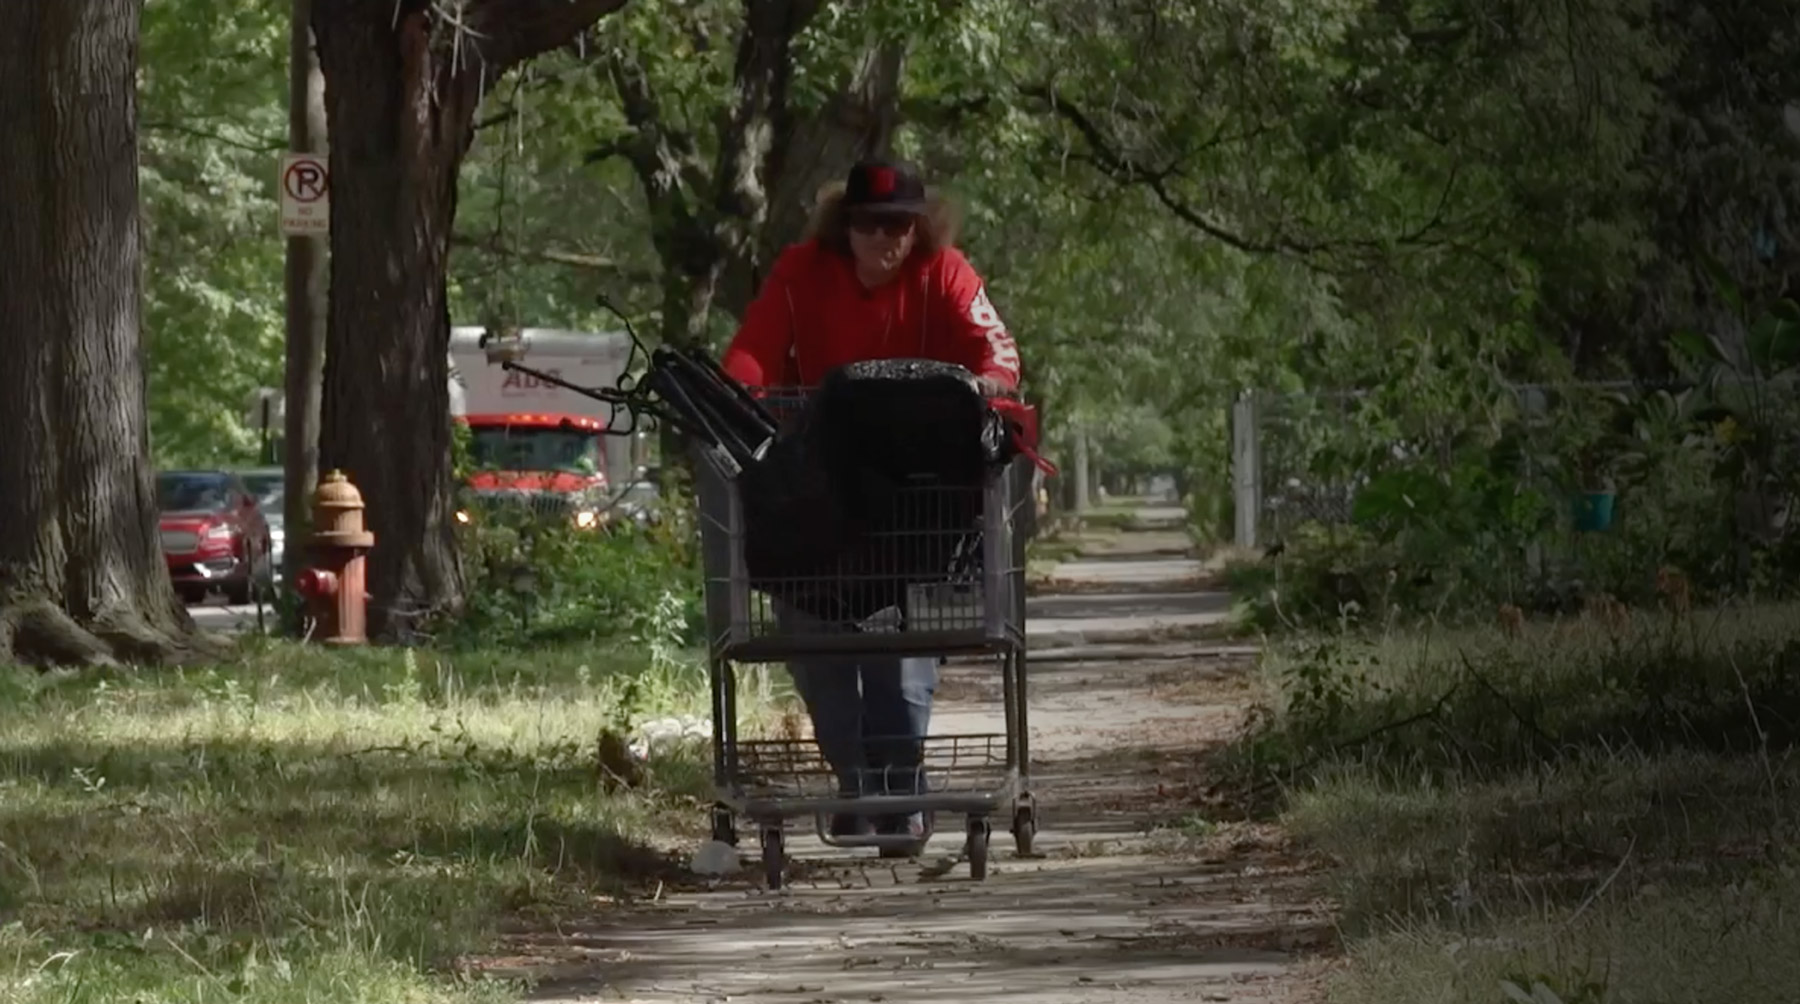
{"points": [[912, 826]]}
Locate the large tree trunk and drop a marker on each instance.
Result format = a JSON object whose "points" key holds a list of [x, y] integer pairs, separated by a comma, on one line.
{"points": [[82, 579], [402, 86], [399, 129]]}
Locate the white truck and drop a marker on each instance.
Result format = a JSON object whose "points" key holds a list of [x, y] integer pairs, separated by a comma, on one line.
{"points": [[537, 443]]}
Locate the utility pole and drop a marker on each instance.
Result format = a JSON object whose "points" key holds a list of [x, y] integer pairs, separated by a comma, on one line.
{"points": [[307, 282]]}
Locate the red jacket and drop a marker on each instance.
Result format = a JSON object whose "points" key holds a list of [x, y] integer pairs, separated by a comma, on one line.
{"points": [[813, 315]]}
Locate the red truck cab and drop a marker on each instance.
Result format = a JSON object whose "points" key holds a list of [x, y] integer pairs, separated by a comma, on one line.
{"points": [[552, 464]]}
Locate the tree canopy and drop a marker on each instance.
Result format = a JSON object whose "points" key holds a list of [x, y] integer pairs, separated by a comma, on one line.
{"points": [[1172, 201]]}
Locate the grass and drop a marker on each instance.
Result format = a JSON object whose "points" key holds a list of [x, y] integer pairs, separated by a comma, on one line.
{"points": [[309, 826], [1044, 554], [1053, 549], [1608, 811]]}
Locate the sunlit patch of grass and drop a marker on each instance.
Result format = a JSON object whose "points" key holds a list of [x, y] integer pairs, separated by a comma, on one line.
{"points": [[306, 825]]}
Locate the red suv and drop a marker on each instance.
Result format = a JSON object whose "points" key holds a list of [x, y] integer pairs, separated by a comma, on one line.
{"points": [[214, 536]]}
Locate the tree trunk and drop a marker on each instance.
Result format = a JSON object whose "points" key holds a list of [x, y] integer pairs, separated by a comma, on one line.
{"points": [[1082, 476], [399, 129], [82, 578], [402, 85], [857, 122]]}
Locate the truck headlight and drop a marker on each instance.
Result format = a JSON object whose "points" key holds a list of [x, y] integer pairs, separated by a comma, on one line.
{"points": [[586, 519], [462, 516]]}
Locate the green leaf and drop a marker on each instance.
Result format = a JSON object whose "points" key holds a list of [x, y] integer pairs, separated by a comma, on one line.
{"points": [[1775, 340], [1699, 347], [1722, 283], [1774, 343]]}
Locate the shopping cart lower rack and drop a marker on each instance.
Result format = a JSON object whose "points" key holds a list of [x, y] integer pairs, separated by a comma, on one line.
{"points": [[974, 608], [967, 775]]}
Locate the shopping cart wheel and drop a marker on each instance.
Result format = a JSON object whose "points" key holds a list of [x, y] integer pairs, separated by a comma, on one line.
{"points": [[977, 847], [774, 856], [1024, 830]]}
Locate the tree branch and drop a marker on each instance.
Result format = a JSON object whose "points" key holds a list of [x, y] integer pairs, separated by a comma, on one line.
{"points": [[712, 212], [856, 121], [552, 256], [1335, 748], [1125, 170], [259, 144], [516, 30], [751, 129], [500, 117], [944, 114], [667, 159], [608, 150]]}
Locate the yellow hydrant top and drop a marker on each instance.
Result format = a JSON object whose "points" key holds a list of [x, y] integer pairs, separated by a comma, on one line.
{"points": [[338, 510], [336, 489]]}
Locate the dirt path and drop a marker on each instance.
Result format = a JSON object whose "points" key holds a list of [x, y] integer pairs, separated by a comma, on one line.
{"points": [[1125, 903]]}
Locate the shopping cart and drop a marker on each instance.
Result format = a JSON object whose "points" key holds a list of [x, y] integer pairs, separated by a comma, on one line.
{"points": [[972, 604]]}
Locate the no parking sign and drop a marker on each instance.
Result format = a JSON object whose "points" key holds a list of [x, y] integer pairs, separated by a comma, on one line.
{"points": [[305, 195]]}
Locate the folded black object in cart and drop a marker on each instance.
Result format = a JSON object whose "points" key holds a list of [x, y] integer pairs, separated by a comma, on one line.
{"points": [[874, 485]]}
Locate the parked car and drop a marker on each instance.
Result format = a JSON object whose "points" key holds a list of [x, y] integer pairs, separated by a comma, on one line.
{"points": [[213, 534], [269, 486]]}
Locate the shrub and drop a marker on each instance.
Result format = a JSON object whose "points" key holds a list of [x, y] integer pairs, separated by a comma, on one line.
{"points": [[533, 580]]}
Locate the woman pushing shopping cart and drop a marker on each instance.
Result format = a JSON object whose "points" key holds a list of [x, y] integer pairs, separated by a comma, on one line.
{"points": [[877, 278]]}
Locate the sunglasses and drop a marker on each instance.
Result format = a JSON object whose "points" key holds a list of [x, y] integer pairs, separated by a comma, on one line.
{"points": [[892, 226]]}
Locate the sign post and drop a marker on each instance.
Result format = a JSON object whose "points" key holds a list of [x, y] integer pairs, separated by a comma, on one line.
{"points": [[305, 195], [266, 411]]}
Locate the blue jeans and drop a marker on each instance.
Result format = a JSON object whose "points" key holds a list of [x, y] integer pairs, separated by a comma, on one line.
{"points": [[870, 714]]}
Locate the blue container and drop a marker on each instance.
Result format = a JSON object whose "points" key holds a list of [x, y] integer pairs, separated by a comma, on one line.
{"points": [[1594, 512]]}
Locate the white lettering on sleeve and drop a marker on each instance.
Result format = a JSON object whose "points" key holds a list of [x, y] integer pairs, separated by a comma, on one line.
{"points": [[1000, 343]]}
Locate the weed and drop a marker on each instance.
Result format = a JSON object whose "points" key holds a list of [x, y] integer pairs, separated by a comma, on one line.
{"points": [[1322, 682]]}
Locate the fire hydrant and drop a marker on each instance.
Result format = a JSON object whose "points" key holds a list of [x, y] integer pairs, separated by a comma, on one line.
{"points": [[335, 585]]}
